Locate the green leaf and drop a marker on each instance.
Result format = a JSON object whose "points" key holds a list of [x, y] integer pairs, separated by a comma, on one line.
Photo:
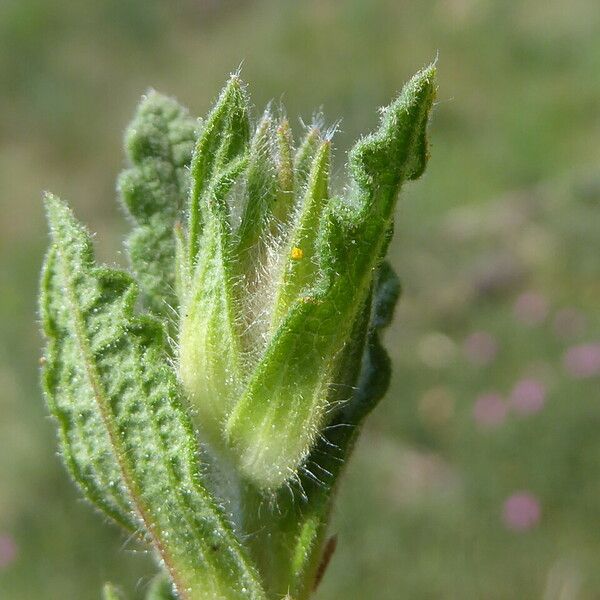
{"points": [[210, 361], [275, 423], [158, 143], [112, 367], [85, 442], [223, 138]]}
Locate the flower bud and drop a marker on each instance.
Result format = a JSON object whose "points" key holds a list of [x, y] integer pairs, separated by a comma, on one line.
{"points": [[279, 271]]}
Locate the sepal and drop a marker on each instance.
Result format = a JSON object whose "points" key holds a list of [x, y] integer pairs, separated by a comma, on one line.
{"points": [[210, 350], [283, 408]]}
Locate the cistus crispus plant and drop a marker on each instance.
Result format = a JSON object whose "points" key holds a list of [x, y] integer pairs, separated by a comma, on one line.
{"points": [[208, 399]]}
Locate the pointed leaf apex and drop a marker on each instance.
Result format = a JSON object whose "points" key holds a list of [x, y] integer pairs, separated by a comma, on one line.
{"points": [[52, 203], [235, 86], [64, 227], [398, 149]]}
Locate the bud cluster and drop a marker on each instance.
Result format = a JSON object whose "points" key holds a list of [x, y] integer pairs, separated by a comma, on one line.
{"points": [[276, 271]]}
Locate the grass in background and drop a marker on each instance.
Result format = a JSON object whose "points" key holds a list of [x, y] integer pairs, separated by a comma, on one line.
{"points": [[497, 248]]}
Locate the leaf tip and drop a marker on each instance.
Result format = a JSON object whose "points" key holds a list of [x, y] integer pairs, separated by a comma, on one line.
{"points": [[57, 210]]}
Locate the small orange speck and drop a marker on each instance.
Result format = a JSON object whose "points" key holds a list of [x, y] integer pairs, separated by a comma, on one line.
{"points": [[297, 253]]}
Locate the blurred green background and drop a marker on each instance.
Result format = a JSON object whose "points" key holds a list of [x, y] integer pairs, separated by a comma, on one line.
{"points": [[479, 474]]}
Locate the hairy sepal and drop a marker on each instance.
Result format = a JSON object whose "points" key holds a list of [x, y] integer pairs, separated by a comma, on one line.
{"points": [[222, 139], [210, 358], [111, 366], [300, 258], [307, 525], [262, 191], [276, 422], [306, 152], [292, 526]]}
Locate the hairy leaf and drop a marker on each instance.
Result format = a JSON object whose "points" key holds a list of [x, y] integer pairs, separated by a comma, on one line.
{"points": [[275, 423], [211, 308], [86, 444], [158, 143], [103, 360]]}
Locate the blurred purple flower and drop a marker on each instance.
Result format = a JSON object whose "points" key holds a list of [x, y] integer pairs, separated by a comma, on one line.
{"points": [[528, 396], [568, 323], [8, 550], [530, 308], [522, 511], [582, 361], [480, 348], [489, 410]]}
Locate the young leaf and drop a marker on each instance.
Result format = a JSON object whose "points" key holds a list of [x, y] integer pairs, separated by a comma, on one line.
{"points": [[113, 366], [209, 342], [158, 143]]}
